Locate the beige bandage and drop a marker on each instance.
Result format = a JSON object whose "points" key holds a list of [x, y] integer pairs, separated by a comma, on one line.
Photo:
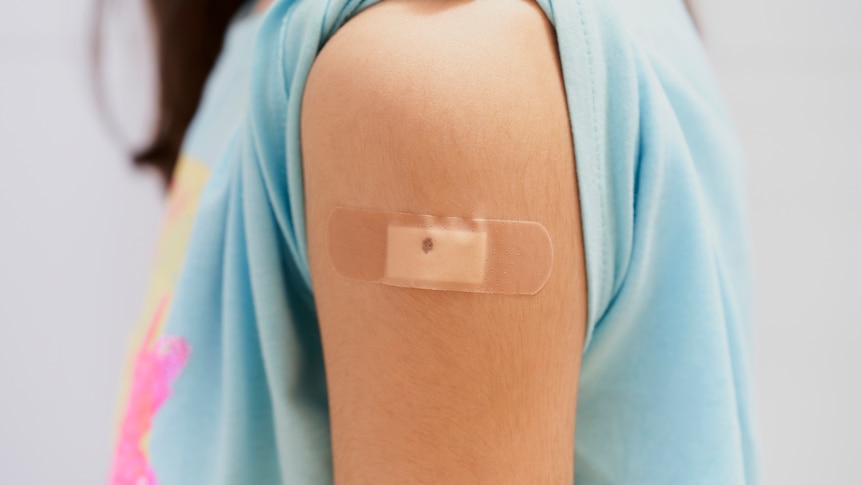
{"points": [[440, 253]]}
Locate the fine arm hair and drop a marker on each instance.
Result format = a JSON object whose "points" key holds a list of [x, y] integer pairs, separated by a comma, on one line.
{"points": [[450, 109]]}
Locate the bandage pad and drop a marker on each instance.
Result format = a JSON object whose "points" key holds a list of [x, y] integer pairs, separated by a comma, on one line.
{"points": [[440, 253]]}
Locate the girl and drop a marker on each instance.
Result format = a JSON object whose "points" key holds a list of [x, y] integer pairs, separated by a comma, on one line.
{"points": [[346, 175]]}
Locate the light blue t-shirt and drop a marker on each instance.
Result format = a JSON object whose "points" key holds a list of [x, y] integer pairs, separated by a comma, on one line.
{"points": [[228, 385]]}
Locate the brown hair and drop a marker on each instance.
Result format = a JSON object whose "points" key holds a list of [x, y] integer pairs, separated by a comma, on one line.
{"points": [[188, 36]]}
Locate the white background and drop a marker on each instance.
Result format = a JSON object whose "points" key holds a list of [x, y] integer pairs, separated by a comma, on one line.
{"points": [[77, 228]]}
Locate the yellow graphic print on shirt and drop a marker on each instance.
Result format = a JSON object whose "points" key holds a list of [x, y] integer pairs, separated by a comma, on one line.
{"points": [[158, 359]]}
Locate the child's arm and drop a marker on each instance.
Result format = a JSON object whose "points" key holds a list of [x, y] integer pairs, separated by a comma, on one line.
{"points": [[448, 108]]}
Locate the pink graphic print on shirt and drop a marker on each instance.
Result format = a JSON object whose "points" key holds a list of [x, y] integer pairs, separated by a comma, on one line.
{"points": [[158, 364]]}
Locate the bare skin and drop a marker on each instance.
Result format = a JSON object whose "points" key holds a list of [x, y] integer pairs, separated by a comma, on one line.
{"points": [[452, 108], [261, 5]]}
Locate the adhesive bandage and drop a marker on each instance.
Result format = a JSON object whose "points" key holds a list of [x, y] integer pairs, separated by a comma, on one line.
{"points": [[440, 253]]}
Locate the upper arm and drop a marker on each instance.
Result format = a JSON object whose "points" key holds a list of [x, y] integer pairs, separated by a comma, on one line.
{"points": [[451, 109]]}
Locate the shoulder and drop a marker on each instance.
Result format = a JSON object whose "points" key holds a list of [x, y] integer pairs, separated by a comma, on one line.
{"points": [[438, 57], [407, 41], [477, 84]]}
